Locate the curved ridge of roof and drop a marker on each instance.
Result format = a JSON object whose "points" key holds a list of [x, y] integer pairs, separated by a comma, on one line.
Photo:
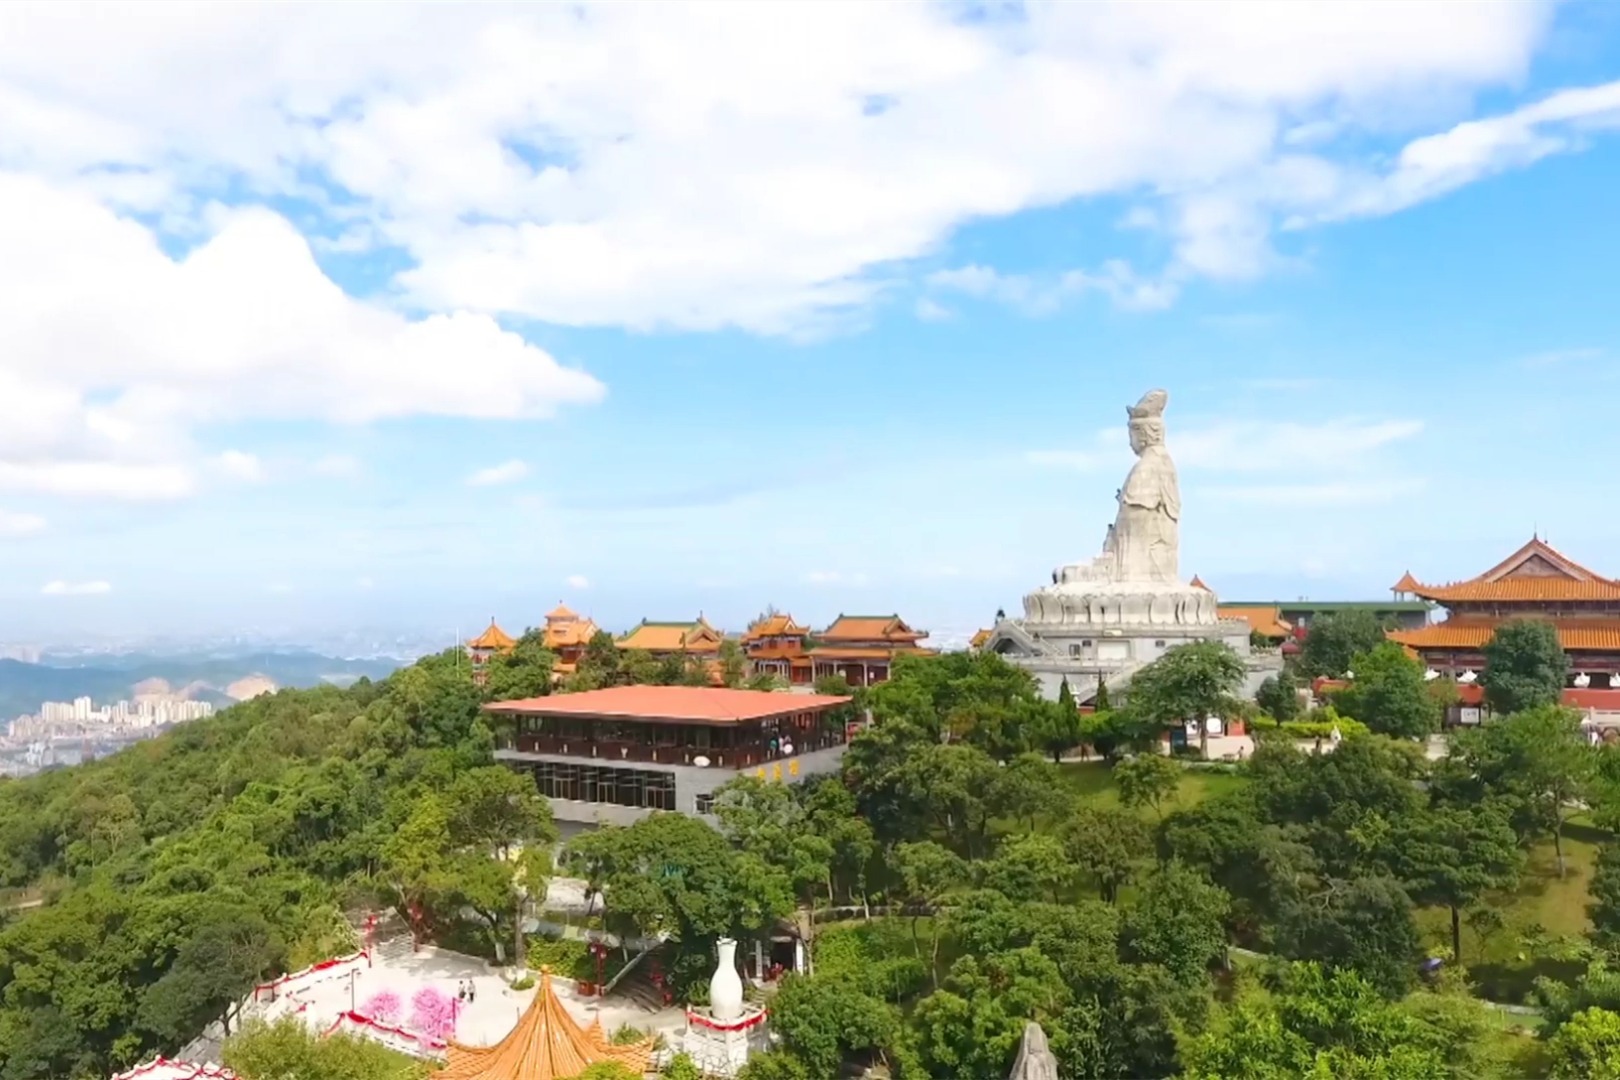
{"points": [[547, 1044]]}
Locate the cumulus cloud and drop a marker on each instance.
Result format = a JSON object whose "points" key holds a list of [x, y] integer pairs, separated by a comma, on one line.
{"points": [[759, 166], [577, 581], [114, 351], [508, 472], [75, 588], [14, 524], [241, 466]]}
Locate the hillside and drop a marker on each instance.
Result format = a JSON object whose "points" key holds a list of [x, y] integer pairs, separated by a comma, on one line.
{"points": [[24, 686]]}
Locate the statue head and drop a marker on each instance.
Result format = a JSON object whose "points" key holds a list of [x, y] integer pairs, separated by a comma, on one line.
{"points": [[1147, 420]]}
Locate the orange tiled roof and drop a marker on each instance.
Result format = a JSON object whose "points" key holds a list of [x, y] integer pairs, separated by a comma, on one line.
{"points": [[561, 611], [1575, 635], [696, 636], [1536, 571], [563, 634], [978, 639], [710, 704], [1198, 583], [1407, 584], [871, 628], [547, 1044], [775, 626], [1266, 621], [493, 638]]}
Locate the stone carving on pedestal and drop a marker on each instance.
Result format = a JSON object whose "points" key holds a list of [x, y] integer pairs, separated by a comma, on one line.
{"points": [[1035, 1060]]}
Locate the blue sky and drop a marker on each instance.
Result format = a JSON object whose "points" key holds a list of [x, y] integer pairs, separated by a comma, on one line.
{"points": [[411, 320]]}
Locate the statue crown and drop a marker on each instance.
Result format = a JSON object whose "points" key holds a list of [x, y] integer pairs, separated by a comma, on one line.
{"points": [[1151, 407]]}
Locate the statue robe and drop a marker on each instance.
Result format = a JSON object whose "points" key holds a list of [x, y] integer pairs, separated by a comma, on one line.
{"points": [[1146, 543]]}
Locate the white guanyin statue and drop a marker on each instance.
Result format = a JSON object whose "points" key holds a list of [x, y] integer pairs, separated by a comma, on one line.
{"points": [[1136, 579]]}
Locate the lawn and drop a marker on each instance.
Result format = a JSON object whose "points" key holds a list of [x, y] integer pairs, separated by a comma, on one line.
{"points": [[1500, 963], [1093, 783]]}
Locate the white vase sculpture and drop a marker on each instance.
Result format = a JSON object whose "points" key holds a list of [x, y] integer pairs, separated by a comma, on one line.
{"points": [[725, 988]]}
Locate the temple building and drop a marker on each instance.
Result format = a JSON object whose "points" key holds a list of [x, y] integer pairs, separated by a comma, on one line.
{"points": [[1538, 582], [485, 647], [661, 639], [615, 755], [862, 648], [776, 645], [566, 635], [547, 1044]]}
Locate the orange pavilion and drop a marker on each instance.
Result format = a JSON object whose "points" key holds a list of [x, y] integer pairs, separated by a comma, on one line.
{"points": [[547, 1044], [566, 635], [1536, 581], [485, 647]]}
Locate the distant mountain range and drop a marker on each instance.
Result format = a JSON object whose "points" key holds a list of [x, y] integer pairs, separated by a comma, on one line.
{"points": [[203, 677]]}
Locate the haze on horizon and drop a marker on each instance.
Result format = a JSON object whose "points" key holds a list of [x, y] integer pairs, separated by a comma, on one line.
{"points": [[405, 316]]}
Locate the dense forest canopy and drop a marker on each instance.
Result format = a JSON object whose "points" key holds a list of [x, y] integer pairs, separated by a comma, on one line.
{"points": [[963, 875]]}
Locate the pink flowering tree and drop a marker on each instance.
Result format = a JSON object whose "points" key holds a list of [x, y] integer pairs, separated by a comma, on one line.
{"points": [[384, 1007], [433, 1013]]}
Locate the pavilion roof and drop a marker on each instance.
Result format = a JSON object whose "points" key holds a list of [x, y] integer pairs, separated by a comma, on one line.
{"points": [[695, 636], [1575, 635], [1535, 572], [493, 638], [560, 612], [562, 633], [547, 1044], [978, 639], [1198, 583], [775, 626], [871, 628]]}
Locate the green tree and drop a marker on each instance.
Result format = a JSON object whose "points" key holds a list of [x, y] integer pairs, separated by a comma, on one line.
{"points": [[1278, 695], [1107, 844], [1604, 909], [1334, 641], [1388, 694], [1525, 666], [972, 1026], [1319, 1025], [928, 873], [824, 1021], [224, 958], [1033, 865], [1538, 761], [1055, 726], [1188, 683], [733, 663], [1587, 1047], [1147, 780], [1178, 922], [681, 1067], [1451, 856], [522, 672], [1066, 695], [1364, 925], [289, 1050]]}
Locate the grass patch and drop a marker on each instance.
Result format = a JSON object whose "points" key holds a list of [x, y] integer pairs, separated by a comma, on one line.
{"points": [[1500, 963], [1092, 782]]}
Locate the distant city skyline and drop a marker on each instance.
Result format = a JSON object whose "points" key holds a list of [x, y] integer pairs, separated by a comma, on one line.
{"points": [[371, 322]]}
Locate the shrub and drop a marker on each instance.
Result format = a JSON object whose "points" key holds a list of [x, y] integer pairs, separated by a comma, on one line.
{"points": [[522, 982]]}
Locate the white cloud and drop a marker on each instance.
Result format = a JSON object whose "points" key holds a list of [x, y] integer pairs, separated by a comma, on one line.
{"points": [[1044, 296], [508, 472], [1554, 357], [342, 466], [1330, 493], [242, 466], [577, 581], [1247, 446], [1287, 446], [14, 524], [931, 311], [75, 588], [760, 166], [114, 351]]}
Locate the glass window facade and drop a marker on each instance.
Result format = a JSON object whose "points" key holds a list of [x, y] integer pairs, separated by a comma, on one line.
{"points": [[646, 788]]}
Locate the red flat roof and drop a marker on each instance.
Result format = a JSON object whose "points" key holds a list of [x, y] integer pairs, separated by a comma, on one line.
{"points": [[704, 704]]}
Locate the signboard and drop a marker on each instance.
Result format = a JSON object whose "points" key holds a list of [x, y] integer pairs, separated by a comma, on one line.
{"points": [[1468, 714]]}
